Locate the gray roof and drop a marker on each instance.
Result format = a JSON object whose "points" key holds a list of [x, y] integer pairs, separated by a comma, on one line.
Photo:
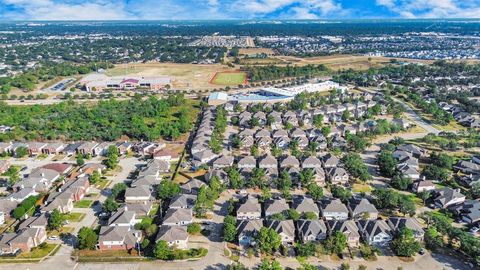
{"points": [[178, 215], [311, 162], [334, 205], [370, 228], [305, 204], [183, 201], [348, 227], [172, 233], [250, 205], [290, 161], [119, 233], [192, 186], [138, 191], [282, 226], [274, 206], [247, 160], [249, 227], [361, 206], [267, 161], [397, 223], [308, 227], [121, 216]]}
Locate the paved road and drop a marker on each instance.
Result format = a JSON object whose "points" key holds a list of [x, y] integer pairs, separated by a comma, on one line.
{"points": [[416, 118]]}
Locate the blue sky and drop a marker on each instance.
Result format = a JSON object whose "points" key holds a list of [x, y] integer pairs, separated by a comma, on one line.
{"points": [[234, 9]]}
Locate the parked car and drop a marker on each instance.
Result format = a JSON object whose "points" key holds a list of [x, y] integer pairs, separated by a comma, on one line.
{"points": [[53, 238]]}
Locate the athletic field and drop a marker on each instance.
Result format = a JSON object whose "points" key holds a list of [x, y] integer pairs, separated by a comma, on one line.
{"points": [[229, 78]]}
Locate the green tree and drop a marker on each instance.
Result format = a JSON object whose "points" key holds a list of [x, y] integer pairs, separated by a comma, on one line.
{"points": [[55, 220], [109, 205], [18, 212], [387, 164], [229, 228], [341, 193], [194, 228], [268, 240], [315, 191], [118, 190], [21, 152], [306, 176], [293, 214], [95, 177], [405, 244], [162, 251], [356, 167], [80, 160], [433, 239], [167, 190], [269, 265], [87, 238], [401, 182], [112, 157], [336, 243]]}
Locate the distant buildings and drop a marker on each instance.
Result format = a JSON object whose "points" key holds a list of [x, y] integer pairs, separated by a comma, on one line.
{"points": [[100, 82]]}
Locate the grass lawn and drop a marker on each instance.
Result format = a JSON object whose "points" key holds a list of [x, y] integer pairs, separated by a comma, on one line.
{"points": [[229, 78], [453, 126], [74, 217], [83, 204], [37, 252], [361, 188], [62, 230], [102, 183]]}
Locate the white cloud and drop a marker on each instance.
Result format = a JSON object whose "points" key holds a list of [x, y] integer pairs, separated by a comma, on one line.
{"points": [[54, 10], [294, 9], [433, 8]]}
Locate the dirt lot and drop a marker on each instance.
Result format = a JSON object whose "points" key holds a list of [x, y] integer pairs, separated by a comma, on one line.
{"points": [[337, 62], [185, 76], [249, 51]]}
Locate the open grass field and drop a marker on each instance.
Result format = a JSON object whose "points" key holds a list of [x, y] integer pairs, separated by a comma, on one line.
{"points": [[229, 78], [184, 76], [83, 204], [258, 50]]}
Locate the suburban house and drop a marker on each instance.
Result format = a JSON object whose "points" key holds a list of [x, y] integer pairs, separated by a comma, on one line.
{"points": [[250, 209], [175, 236], [223, 161], [192, 186], [122, 218], [333, 209], [23, 240], [468, 212], [311, 230], [285, 228], [362, 209], [276, 206], [347, 227], [398, 223], [337, 175], [183, 201], [178, 217], [304, 205], [166, 155], [118, 238], [446, 197], [247, 230], [375, 232], [423, 186], [138, 194]]}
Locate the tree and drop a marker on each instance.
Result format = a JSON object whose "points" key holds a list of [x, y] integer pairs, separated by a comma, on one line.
{"points": [[118, 190], [95, 177], [162, 251], [236, 266], [268, 240], [18, 212], [406, 205], [109, 205], [87, 238], [194, 228], [112, 157], [55, 220], [315, 191], [284, 182], [13, 175], [341, 193], [432, 171], [269, 265], [356, 167], [387, 164], [433, 240], [80, 160], [405, 244], [167, 190], [293, 214], [21, 152], [336, 243], [306, 176], [229, 228], [401, 182], [235, 178], [318, 120]]}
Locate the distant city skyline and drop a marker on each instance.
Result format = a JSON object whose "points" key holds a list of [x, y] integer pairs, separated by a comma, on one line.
{"points": [[234, 9]]}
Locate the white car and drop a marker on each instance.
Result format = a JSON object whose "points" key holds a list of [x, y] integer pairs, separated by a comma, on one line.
{"points": [[474, 230], [53, 238]]}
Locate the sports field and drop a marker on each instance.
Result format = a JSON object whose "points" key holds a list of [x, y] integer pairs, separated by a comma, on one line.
{"points": [[229, 78]]}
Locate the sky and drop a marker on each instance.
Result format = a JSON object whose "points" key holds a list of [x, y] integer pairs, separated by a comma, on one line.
{"points": [[234, 9]]}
